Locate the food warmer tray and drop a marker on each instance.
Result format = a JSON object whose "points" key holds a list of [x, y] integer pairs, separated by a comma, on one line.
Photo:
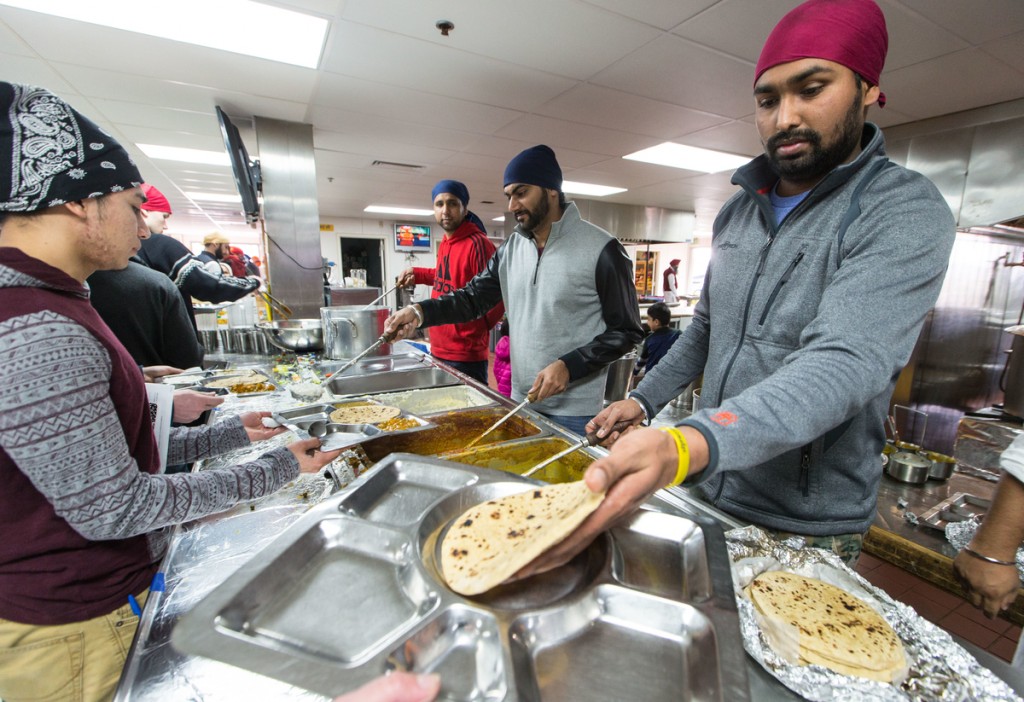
{"points": [[353, 590]]}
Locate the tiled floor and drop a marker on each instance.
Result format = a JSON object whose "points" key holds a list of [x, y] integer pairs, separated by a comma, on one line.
{"points": [[952, 613]]}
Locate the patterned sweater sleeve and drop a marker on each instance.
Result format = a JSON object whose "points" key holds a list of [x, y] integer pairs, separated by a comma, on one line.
{"points": [[66, 438]]}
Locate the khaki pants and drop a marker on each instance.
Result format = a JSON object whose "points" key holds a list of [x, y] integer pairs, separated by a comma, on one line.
{"points": [[78, 662]]}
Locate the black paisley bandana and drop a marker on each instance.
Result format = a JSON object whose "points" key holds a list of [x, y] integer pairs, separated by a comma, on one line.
{"points": [[56, 155]]}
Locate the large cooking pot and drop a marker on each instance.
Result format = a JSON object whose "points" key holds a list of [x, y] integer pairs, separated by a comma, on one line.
{"points": [[908, 467], [350, 329]]}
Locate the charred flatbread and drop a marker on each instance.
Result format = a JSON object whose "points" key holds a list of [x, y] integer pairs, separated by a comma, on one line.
{"points": [[236, 379], [364, 413], [488, 543], [830, 626]]}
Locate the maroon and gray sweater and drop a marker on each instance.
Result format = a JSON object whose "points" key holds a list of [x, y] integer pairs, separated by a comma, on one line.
{"points": [[82, 503]]}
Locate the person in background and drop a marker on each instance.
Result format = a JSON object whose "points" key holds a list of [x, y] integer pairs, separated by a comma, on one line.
{"points": [[670, 281], [799, 339], [658, 342], [170, 257], [503, 361], [568, 290], [464, 252], [84, 509], [987, 567], [236, 261], [215, 247]]}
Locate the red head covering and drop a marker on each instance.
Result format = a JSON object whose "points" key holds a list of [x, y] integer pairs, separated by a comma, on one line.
{"points": [[849, 32], [155, 200]]}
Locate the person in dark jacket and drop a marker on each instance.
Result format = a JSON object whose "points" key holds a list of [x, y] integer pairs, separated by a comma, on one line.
{"points": [[658, 342], [170, 257]]}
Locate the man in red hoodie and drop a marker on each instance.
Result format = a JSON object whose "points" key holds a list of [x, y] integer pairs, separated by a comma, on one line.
{"points": [[463, 253]]}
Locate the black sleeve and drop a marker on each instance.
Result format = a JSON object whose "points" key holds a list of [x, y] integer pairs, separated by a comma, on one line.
{"points": [[189, 274], [617, 293], [470, 302], [180, 345]]}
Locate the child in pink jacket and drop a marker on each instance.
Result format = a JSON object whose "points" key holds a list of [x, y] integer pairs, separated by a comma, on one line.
{"points": [[502, 362]]}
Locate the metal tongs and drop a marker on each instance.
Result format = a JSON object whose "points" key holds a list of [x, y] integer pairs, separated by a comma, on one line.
{"points": [[474, 442], [589, 440], [386, 293], [385, 338], [281, 308]]}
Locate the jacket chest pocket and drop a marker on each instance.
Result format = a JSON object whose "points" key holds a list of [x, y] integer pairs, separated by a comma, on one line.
{"points": [[789, 295]]}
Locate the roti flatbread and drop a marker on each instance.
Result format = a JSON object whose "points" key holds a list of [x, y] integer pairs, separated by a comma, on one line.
{"points": [[831, 627], [236, 379], [488, 543], [364, 414]]}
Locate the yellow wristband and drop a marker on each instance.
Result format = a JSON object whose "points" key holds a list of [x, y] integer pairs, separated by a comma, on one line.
{"points": [[684, 455]]}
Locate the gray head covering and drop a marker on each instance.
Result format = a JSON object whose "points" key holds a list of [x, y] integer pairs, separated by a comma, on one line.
{"points": [[54, 154]]}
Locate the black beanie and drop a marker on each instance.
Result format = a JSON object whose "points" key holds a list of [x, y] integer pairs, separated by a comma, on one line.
{"points": [[55, 154], [535, 166]]}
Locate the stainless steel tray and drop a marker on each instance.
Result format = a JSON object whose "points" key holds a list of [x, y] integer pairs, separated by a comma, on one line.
{"points": [[353, 589], [959, 507], [391, 381], [377, 364], [433, 400], [343, 435]]}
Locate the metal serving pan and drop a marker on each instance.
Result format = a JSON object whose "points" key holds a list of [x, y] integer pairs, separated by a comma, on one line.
{"points": [[353, 589], [337, 435], [520, 455], [391, 381], [433, 400], [377, 364], [959, 507]]}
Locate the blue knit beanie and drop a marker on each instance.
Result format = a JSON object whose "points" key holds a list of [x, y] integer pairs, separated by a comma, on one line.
{"points": [[451, 186], [535, 166]]}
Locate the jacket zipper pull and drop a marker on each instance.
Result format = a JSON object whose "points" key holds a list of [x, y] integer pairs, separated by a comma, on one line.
{"points": [[805, 469], [764, 256]]}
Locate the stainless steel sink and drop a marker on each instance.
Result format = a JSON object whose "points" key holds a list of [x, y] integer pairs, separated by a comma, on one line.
{"points": [[391, 381]]}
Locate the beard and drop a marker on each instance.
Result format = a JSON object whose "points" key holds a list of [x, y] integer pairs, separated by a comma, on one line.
{"points": [[822, 159], [536, 216]]}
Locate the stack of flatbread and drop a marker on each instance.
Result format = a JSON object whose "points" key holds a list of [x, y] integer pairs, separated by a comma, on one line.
{"points": [[825, 625], [488, 543], [363, 413]]}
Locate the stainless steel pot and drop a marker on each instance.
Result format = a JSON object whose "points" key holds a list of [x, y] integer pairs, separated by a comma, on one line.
{"points": [[350, 329], [1013, 397], [941, 465], [908, 467]]}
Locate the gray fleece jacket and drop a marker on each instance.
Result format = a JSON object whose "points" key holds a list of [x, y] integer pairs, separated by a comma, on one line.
{"points": [[575, 301], [801, 332]]}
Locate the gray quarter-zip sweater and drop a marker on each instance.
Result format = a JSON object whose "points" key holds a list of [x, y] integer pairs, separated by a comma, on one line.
{"points": [[801, 331], [575, 301]]}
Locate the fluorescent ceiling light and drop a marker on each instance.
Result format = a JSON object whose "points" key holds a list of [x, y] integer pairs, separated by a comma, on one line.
{"points": [[176, 153], [569, 186], [409, 211], [239, 26], [214, 197], [499, 219], [691, 158]]}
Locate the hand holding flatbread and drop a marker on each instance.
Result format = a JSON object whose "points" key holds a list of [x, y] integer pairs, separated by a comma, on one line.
{"points": [[490, 542], [826, 625]]}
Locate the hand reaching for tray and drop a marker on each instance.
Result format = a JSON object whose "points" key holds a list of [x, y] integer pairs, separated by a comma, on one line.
{"points": [[310, 458], [257, 429], [396, 687]]}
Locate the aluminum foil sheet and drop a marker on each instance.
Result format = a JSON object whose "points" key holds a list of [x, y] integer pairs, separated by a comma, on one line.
{"points": [[959, 534], [939, 668]]}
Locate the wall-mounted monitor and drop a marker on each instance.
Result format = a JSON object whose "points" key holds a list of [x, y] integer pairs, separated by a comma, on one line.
{"points": [[412, 237], [246, 171]]}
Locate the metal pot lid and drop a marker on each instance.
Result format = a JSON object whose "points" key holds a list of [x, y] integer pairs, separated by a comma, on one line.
{"points": [[909, 459]]}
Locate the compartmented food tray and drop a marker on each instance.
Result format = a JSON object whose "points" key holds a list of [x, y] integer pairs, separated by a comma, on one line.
{"points": [[353, 590], [377, 364], [391, 381], [340, 435], [959, 507]]}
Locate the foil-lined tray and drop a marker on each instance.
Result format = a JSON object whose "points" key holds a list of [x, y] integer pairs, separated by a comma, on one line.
{"points": [[353, 589], [939, 668]]}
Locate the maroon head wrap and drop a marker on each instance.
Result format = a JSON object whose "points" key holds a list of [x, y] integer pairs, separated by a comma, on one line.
{"points": [[849, 32]]}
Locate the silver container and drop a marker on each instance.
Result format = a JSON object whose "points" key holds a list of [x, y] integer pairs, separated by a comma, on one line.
{"points": [[908, 467], [350, 329], [940, 465], [299, 335], [620, 372]]}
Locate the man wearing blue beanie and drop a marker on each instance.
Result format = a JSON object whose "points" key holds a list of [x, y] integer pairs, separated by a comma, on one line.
{"points": [[463, 253], [568, 291]]}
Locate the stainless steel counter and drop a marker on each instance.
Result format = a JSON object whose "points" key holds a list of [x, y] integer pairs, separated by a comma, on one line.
{"points": [[204, 553]]}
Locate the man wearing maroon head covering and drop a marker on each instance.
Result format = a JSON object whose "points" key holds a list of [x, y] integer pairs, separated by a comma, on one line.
{"points": [[798, 337], [670, 281]]}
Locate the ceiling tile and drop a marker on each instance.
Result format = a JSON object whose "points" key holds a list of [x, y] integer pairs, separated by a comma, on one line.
{"points": [[663, 14], [9, 39], [1008, 50], [914, 89], [914, 39], [678, 71], [998, 18], [731, 27], [558, 133]]}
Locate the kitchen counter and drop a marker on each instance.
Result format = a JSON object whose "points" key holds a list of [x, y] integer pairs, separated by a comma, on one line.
{"points": [[203, 554]]}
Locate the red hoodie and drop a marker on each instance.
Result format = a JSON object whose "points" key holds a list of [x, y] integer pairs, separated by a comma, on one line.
{"points": [[461, 255]]}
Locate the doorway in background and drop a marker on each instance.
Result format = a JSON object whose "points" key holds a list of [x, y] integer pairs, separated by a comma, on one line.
{"points": [[367, 254]]}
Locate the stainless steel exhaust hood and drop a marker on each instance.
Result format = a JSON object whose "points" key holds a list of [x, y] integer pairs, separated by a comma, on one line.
{"points": [[639, 224], [973, 157]]}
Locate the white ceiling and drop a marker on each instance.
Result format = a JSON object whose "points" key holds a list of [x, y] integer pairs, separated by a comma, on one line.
{"points": [[594, 79]]}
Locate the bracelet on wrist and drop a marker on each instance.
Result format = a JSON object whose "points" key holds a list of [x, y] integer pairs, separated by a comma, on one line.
{"points": [[419, 315], [683, 449], [989, 559]]}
